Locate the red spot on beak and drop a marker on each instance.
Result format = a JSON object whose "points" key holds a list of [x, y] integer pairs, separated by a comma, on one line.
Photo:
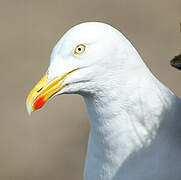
{"points": [[39, 103]]}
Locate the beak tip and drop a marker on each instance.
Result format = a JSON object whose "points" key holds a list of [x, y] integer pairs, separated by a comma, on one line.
{"points": [[29, 108]]}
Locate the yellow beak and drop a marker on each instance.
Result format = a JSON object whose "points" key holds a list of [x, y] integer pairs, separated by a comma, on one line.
{"points": [[43, 90]]}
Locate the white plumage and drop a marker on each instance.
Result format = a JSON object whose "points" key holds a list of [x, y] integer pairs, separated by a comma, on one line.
{"points": [[135, 120]]}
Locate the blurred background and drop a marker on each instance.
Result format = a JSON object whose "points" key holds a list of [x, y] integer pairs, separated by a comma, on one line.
{"points": [[51, 144]]}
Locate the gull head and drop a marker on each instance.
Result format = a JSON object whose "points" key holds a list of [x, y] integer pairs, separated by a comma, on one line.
{"points": [[85, 60]]}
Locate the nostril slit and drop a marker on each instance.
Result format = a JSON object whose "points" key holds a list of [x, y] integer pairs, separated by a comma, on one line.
{"points": [[40, 89]]}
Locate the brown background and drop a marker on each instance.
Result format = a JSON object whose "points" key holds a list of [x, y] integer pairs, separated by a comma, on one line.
{"points": [[51, 144]]}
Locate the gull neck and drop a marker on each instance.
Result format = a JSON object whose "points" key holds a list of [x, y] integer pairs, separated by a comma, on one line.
{"points": [[123, 121]]}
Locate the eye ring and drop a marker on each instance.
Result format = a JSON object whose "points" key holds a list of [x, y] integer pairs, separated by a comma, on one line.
{"points": [[79, 49]]}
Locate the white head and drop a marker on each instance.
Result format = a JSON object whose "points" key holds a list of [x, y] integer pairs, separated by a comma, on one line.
{"points": [[84, 61]]}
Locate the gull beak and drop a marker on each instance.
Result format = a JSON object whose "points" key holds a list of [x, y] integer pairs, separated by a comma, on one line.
{"points": [[176, 62], [43, 90]]}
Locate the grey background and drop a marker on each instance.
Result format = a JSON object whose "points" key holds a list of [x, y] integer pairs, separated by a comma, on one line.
{"points": [[51, 144]]}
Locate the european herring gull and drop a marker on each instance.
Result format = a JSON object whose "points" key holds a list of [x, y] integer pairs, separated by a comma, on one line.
{"points": [[135, 120]]}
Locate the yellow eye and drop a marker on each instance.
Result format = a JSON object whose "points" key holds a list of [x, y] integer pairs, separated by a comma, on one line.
{"points": [[79, 49]]}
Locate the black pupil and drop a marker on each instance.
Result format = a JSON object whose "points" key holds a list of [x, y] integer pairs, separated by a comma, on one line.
{"points": [[79, 49]]}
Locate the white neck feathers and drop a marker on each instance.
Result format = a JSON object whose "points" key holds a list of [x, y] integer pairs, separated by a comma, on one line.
{"points": [[123, 120]]}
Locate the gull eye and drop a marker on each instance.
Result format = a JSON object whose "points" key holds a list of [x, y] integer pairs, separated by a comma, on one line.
{"points": [[79, 49]]}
